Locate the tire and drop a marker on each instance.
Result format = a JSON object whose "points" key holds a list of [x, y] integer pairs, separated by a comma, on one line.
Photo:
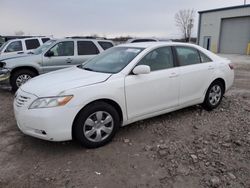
{"points": [[214, 95], [88, 126], [18, 75]]}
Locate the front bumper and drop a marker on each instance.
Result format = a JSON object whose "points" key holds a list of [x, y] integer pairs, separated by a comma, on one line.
{"points": [[4, 75], [52, 124]]}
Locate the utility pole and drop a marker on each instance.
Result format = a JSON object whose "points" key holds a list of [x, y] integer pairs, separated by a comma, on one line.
{"points": [[245, 2]]}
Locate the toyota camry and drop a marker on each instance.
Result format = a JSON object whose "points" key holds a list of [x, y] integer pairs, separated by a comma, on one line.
{"points": [[122, 85]]}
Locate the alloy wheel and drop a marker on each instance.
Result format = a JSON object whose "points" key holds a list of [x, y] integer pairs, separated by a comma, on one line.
{"points": [[215, 95], [21, 79], [98, 126]]}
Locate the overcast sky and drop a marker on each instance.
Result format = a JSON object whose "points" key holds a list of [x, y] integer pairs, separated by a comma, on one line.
{"points": [[141, 18]]}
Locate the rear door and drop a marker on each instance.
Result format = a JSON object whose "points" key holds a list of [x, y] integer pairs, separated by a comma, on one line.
{"points": [[196, 71], [156, 91], [85, 50], [63, 56]]}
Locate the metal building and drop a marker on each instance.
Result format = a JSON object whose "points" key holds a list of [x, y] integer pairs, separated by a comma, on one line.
{"points": [[225, 30]]}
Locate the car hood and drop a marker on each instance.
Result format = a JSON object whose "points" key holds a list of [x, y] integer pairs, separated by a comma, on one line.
{"points": [[54, 83], [24, 60], [12, 56]]}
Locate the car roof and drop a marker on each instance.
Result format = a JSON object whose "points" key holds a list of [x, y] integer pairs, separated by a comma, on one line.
{"points": [[83, 39], [154, 44], [27, 38]]}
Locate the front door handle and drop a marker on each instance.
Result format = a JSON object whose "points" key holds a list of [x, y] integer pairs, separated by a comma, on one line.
{"points": [[69, 60]]}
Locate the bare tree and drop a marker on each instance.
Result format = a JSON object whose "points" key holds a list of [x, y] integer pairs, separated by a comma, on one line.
{"points": [[19, 33], [185, 21]]}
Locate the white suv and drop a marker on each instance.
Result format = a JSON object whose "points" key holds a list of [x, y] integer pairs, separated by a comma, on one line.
{"points": [[21, 46]]}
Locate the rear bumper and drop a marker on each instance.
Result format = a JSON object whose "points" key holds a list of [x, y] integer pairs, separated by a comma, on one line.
{"points": [[4, 75]]}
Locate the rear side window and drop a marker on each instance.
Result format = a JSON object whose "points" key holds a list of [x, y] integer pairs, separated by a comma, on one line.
{"points": [[45, 39], [105, 45], [14, 47], [32, 44], [86, 48], [158, 59], [187, 55]]}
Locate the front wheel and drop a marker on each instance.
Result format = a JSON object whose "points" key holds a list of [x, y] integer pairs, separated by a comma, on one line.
{"points": [[213, 96], [20, 77], [96, 125]]}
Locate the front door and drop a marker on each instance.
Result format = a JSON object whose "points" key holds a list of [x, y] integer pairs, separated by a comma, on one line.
{"points": [[156, 91], [61, 55]]}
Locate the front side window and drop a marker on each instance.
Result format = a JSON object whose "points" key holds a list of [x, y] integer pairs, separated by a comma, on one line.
{"points": [[32, 44], [187, 55], [112, 60], [14, 47], [86, 48], [158, 59], [105, 45], [63, 49]]}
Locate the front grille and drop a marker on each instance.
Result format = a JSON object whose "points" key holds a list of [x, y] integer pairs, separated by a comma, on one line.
{"points": [[21, 100]]}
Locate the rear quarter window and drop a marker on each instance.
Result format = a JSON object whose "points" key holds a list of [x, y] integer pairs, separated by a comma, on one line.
{"points": [[204, 58]]}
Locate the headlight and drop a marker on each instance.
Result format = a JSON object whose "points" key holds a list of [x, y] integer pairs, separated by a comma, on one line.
{"points": [[48, 102]]}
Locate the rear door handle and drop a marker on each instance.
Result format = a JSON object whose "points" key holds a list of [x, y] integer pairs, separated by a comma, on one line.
{"points": [[173, 75], [211, 67]]}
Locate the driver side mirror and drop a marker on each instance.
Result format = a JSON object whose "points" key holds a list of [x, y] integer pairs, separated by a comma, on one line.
{"points": [[141, 69], [49, 54]]}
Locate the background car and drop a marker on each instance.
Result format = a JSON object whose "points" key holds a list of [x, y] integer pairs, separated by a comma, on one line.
{"points": [[21, 46], [53, 55], [122, 85], [134, 40]]}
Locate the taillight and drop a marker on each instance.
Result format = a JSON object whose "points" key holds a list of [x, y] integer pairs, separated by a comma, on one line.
{"points": [[231, 66]]}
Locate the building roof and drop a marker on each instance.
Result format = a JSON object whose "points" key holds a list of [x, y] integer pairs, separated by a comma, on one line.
{"points": [[225, 8]]}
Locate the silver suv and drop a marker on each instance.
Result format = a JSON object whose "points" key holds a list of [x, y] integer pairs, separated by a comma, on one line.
{"points": [[52, 55]]}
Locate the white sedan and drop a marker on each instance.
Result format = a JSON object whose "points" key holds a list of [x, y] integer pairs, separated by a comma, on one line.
{"points": [[122, 85]]}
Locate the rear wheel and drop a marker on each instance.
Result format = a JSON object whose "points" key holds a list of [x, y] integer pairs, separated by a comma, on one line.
{"points": [[96, 125], [20, 77], [214, 95]]}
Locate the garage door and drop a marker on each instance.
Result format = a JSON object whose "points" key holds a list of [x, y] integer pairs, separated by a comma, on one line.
{"points": [[235, 35]]}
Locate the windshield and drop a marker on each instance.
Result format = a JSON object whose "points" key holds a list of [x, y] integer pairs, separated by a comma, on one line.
{"points": [[43, 47], [113, 60], [3, 45]]}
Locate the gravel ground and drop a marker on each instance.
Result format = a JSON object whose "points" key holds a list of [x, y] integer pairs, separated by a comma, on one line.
{"points": [[186, 148]]}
